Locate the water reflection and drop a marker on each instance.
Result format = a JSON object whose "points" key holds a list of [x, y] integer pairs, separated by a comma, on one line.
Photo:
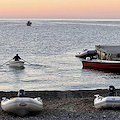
{"points": [[17, 75]]}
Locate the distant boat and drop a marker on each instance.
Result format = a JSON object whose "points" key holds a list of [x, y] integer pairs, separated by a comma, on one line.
{"points": [[16, 64], [29, 23]]}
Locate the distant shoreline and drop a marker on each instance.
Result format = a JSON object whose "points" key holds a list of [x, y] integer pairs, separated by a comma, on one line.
{"points": [[59, 94]]}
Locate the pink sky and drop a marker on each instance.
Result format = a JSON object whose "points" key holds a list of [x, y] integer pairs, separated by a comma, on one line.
{"points": [[60, 9]]}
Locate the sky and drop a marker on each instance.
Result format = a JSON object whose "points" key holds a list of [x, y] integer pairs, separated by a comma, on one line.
{"points": [[59, 9]]}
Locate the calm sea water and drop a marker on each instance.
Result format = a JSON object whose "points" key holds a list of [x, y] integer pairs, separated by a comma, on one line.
{"points": [[50, 47]]}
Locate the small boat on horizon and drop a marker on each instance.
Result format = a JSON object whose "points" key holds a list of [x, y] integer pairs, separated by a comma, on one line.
{"points": [[29, 23]]}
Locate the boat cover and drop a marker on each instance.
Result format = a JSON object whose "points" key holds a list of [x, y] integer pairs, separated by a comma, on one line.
{"points": [[108, 52]]}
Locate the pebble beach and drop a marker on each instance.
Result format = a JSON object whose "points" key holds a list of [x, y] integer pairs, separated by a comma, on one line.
{"points": [[65, 105]]}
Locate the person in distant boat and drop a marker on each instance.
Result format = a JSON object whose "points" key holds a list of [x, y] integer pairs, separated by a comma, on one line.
{"points": [[16, 57], [29, 23]]}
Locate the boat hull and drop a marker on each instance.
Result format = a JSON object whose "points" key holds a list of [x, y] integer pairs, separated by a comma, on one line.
{"points": [[107, 102], [17, 64], [22, 105], [105, 65]]}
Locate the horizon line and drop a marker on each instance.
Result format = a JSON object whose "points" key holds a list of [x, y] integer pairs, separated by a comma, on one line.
{"points": [[106, 19]]}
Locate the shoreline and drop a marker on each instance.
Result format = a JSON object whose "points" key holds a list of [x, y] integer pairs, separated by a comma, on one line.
{"points": [[54, 94], [68, 105]]}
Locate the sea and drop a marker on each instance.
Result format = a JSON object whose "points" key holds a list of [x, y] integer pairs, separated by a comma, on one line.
{"points": [[48, 48]]}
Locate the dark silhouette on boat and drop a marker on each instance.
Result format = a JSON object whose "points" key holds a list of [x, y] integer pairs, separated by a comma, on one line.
{"points": [[29, 23]]}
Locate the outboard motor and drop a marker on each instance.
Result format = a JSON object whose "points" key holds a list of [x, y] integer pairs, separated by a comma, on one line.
{"points": [[21, 93], [112, 91]]}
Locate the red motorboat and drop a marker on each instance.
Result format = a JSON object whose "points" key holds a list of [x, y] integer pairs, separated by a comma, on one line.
{"points": [[102, 64]]}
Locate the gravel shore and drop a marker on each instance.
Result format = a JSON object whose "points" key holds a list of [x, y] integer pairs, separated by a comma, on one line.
{"points": [[65, 105]]}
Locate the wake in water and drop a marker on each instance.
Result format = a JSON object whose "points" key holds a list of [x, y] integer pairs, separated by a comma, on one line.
{"points": [[37, 65]]}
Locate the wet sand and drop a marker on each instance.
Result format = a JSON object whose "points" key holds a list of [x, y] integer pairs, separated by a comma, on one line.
{"points": [[64, 105]]}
